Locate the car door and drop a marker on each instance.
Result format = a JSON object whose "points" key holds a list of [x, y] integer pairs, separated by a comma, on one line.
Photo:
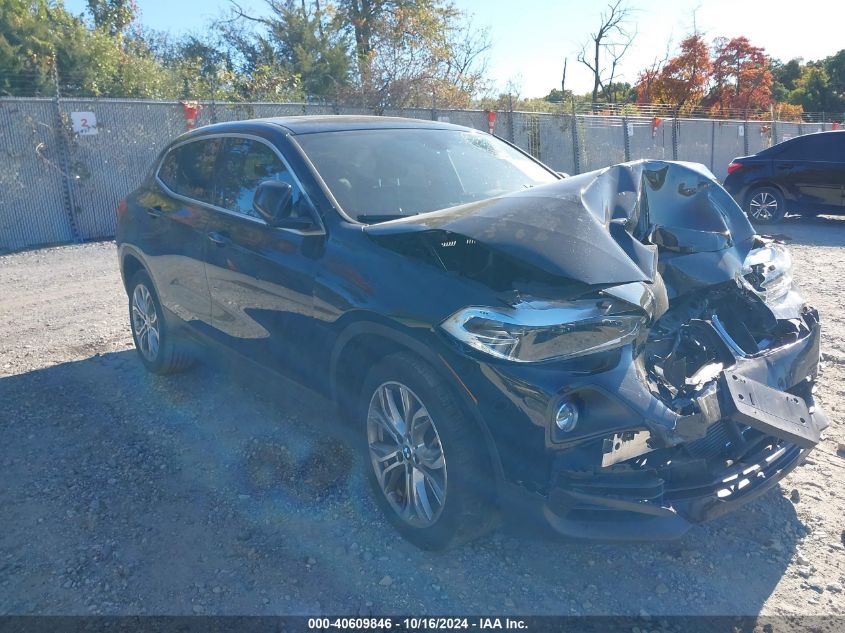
{"points": [[833, 152], [261, 278], [813, 170], [177, 208]]}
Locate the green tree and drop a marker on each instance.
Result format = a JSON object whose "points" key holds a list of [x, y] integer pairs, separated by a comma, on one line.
{"points": [[113, 16], [38, 38], [421, 52], [384, 53], [784, 76], [27, 47], [299, 40], [835, 67], [197, 66], [813, 90]]}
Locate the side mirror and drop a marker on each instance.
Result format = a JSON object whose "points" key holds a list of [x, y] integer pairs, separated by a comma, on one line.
{"points": [[273, 200]]}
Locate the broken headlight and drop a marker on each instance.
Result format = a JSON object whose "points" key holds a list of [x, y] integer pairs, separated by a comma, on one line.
{"points": [[768, 270], [538, 331]]}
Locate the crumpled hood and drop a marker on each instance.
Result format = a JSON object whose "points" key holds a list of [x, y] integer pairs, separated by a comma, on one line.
{"points": [[589, 228]]}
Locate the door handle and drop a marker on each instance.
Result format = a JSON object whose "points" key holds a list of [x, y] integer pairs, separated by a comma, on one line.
{"points": [[219, 239], [154, 212]]}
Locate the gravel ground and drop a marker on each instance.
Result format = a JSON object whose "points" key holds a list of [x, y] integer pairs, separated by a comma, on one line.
{"points": [[215, 492]]}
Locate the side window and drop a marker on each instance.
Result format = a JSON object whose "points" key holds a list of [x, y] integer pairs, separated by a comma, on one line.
{"points": [[785, 150], [832, 148], [244, 164], [189, 169], [818, 147]]}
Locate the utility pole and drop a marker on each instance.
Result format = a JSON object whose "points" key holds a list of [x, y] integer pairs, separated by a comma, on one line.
{"points": [[563, 79]]}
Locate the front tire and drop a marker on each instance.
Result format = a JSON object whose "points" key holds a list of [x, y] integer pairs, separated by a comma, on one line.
{"points": [[765, 206], [161, 351], [429, 476]]}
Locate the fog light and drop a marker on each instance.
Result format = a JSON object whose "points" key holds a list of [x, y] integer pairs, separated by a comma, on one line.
{"points": [[566, 417]]}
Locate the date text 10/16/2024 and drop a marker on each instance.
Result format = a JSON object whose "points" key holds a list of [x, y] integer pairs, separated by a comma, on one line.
{"points": [[411, 624]]}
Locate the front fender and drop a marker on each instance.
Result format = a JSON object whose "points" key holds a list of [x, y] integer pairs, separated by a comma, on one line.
{"points": [[401, 337]]}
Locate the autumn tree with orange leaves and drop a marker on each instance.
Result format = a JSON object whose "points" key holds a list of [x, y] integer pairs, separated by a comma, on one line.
{"points": [[737, 77], [682, 81], [742, 79]]}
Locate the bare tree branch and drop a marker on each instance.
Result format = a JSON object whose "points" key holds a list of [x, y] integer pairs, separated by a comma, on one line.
{"points": [[612, 40], [239, 13], [617, 52]]}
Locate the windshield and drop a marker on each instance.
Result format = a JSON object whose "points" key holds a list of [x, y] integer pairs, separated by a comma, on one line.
{"points": [[378, 175]]}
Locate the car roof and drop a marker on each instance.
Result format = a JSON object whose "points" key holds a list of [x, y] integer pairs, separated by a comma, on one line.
{"points": [[824, 132], [796, 139], [310, 124]]}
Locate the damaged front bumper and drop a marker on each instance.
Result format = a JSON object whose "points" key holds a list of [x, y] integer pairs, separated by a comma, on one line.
{"points": [[637, 468], [745, 437], [651, 504]]}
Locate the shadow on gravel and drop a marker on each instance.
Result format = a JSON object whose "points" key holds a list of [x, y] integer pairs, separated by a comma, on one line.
{"points": [[225, 490], [822, 230]]}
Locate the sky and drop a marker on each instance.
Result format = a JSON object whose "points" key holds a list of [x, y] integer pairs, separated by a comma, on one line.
{"points": [[532, 38]]}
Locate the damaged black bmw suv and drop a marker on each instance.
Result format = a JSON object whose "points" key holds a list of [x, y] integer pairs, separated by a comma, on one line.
{"points": [[617, 354]]}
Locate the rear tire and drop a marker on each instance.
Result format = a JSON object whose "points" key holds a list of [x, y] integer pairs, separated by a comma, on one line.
{"points": [[765, 205], [158, 345], [418, 439]]}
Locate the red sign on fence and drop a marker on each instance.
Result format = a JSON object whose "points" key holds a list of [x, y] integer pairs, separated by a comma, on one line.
{"points": [[491, 120], [191, 109]]}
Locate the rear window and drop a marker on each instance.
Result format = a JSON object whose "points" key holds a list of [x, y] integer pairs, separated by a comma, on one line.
{"points": [[188, 170]]}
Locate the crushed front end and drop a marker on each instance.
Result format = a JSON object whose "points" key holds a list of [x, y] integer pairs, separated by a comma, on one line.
{"points": [[717, 406], [714, 403], [643, 360]]}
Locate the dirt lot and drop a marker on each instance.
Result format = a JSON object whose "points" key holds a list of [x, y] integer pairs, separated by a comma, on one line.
{"points": [[123, 493]]}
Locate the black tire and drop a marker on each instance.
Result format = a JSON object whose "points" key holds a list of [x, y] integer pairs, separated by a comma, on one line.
{"points": [[765, 205], [172, 354], [469, 507]]}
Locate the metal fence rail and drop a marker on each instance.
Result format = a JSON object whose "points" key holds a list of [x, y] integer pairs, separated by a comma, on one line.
{"points": [[667, 110], [57, 186]]}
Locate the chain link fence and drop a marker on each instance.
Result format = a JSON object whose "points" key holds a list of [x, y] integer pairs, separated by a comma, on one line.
{"points": [[59, 186]]}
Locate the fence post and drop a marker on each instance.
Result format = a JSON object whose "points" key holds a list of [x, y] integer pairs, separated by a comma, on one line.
{"points": [[214, 98], [64, 158], [510, 118], [626, 142], [745, 150], [675, 125], [576, 152], [774, 126], [712, 145], [535, 132]]}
